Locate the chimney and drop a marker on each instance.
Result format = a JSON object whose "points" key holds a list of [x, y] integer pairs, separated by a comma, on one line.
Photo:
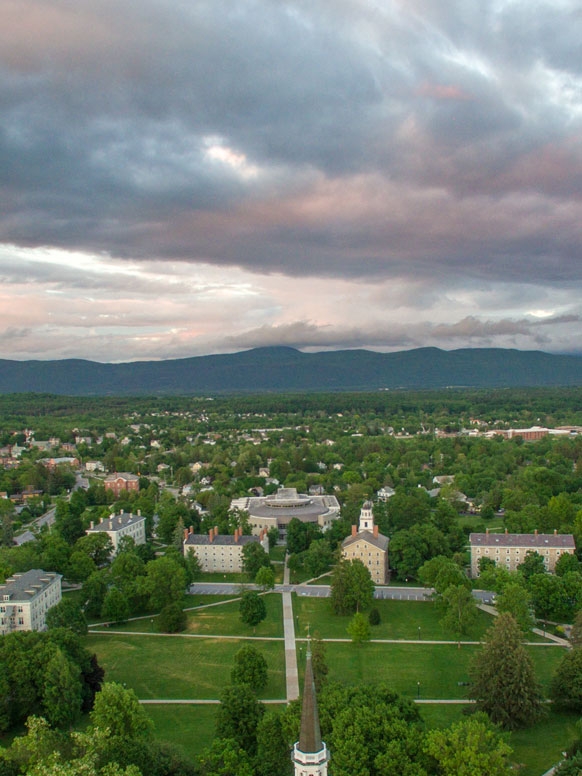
{"points": [[536, 532], [555, 531], [354, 530], [506, 531], [236, 535], [191, 529], [486, 532], [102, 519], [139, 512], [185, 534], [376, 531], [216, 530], [92, 524], [210, 535]]}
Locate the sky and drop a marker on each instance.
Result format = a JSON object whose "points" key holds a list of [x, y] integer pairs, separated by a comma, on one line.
{"points": [[184, 177]]}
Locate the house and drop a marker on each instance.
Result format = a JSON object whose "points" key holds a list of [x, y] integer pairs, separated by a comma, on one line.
{"points": [[26, 598], [220, 553], [121, 482], [94, 466], [509, 550], [279, 509], [385, 493], [118, 526], [367, 544]]}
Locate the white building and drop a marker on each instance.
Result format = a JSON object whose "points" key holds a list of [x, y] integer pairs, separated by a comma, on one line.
{"points": [[221, 553], [118, 526], [26, 598], [279, 509]]}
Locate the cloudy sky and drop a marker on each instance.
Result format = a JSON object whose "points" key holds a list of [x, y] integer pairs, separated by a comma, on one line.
{"points": [[181, 177]]}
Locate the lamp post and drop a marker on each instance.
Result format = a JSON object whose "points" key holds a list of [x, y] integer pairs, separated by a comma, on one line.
{"points": [[418, 689], [419, 632]]}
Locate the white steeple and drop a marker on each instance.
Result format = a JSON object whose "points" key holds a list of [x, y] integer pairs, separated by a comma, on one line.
{"points": [[366, 517]]}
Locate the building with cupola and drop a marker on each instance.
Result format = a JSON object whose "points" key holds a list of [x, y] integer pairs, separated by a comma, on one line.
{"points": [[367, 544]]}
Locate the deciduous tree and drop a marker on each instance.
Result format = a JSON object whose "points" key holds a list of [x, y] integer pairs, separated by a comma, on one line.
{"points": [[250, 667], [472, 747], [352, 589], [252, 608]]}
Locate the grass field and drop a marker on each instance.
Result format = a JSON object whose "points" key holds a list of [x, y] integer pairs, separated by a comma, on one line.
{"points": [[438, 667], [399, 620], [220, 620], [175, 667]]}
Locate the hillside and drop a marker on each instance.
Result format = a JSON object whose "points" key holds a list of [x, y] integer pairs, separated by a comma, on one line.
{"points": [[286, 369]]}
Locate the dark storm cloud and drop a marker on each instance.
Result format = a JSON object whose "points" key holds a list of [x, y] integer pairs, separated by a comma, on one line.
{"points": [[354, 139]]}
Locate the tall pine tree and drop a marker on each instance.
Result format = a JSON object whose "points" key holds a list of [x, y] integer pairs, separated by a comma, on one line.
{"points": [[504, 681]]}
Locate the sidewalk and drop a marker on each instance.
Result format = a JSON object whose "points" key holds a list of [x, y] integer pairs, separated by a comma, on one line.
{"points": [[291, 673]]}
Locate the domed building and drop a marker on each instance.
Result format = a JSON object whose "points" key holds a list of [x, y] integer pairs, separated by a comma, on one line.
{"points": [[280, 508]]}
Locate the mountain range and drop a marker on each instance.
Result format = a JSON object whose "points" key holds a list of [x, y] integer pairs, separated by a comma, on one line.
{"points": [[284, 369]]}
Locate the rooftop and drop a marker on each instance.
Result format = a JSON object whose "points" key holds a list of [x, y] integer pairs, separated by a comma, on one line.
{"points": [[533, 540], [116, 522], [25, 586]]}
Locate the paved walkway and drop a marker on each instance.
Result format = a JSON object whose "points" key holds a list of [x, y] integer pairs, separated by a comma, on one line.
{"points": [[291, 673], [538, 631]]}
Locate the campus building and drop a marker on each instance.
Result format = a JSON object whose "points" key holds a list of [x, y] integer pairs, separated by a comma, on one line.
{"points": [[26, 598], [279, 509], [310, 754], [368, 545], [509, 550], [118, 526], [121, 482], [221, 553]]}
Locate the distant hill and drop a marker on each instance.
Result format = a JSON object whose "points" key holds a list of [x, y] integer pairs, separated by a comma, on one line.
{"points": [[278, 369]]}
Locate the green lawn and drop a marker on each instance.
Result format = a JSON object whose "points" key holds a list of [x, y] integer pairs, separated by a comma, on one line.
{"points": [[438, 667], [224, 620], [220, 620], [174, 667], [191, 728], [399, 620]]}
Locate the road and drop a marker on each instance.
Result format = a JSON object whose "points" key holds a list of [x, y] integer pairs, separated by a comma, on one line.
{"points": [[47, 519], [323, 591]]}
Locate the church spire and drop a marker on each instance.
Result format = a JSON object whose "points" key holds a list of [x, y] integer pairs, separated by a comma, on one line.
{"points": [[310, 754]]}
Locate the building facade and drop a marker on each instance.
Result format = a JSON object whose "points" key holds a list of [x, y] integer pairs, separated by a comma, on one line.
{"points": [[121, 482], [509, 550], [221, 553], [279, 509], [367, 544], [118, 526], [26, 598]]}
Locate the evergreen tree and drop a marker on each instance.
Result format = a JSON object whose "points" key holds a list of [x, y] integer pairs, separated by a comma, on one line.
{"points": [[62, 695], [504, 681], [566, 689], [272, 750], [359, 628], [238, 716]]}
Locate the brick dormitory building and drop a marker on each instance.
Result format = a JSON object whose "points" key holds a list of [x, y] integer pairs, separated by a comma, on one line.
{"points": [[509, 550]]}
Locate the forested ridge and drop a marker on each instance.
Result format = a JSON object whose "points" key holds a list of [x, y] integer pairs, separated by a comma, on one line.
{"points": [[286, 369]]}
